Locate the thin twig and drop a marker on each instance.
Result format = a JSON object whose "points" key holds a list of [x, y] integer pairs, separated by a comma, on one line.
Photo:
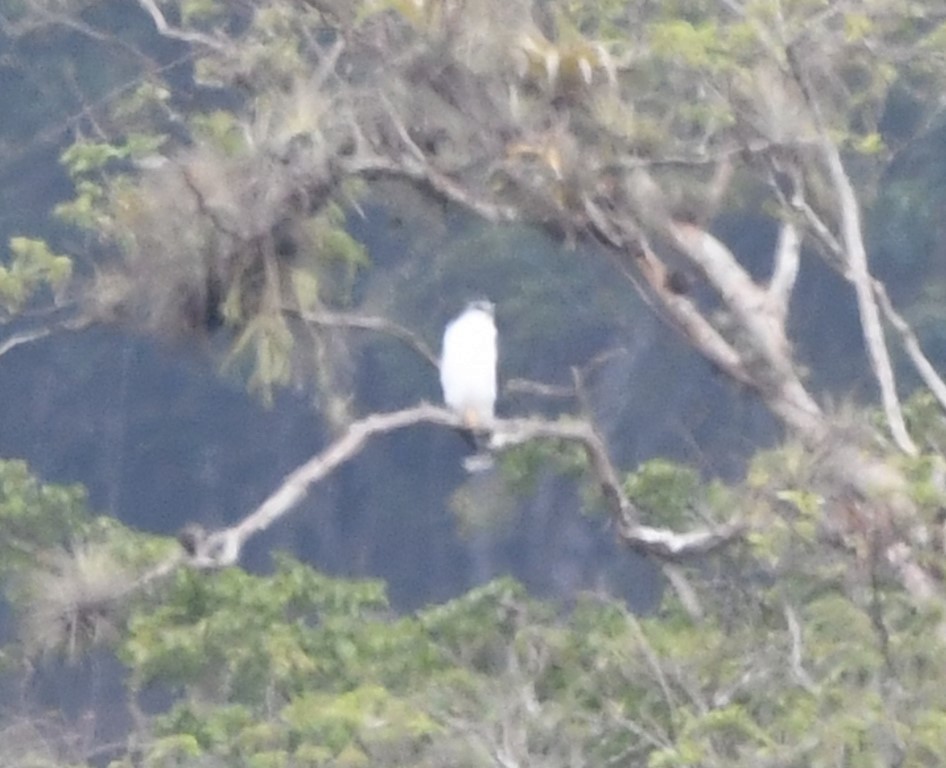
{"points": [[423, 175], [327, 319], [910, 341], [654, 663], [684, 589], [37, 334], [798, 670], [521, 386], [912, 345], [179, 34], [26, 337]]}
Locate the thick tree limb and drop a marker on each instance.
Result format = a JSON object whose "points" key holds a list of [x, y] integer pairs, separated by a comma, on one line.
{"points": [[631, 249], [684, 589], [739, 292], [773, 376], [765, 361], [780, 387], [776, 379], [223, 547]]}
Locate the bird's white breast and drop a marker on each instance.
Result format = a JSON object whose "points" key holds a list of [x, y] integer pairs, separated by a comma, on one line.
{"points": [[468, 365]]}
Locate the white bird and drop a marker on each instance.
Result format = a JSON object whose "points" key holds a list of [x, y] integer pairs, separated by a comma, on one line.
{"points": [[468, 363]]}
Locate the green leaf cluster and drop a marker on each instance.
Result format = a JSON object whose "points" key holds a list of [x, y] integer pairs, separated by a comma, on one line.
{"points": [[667, 492], [32, 267], [86, 157], [35, 517]]}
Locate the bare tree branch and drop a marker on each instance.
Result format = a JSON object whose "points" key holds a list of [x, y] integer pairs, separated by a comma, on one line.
{"points": [[426, 177], [787, 260], [326, 319], [540, 389], [631, 249], [653, 661], [912, 345], [37, 334], [777, 381], [179, 34], [767, 364], [738, 291], [25, 337], [782, 390], [825, 236], [223, 547], [798, 669], [684, 589], [867, 306], [855, 258]]}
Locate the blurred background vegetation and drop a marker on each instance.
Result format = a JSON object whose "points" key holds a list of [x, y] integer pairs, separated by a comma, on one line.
{"points": [[407, 614]]}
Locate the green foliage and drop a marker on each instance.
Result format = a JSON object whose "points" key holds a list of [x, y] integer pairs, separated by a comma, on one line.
{"points": [[210, 630], [85, 209], [349, 678], [925, 420], [36, 517], [666, 491], [63, 569], [698, 45], [789, 663], [143, 102], [84, 158], [810, 651], [368, 712], [220, 128], [264, 348], [32, 267], [869, 144], [523, 466], [198, 11], [331, 258]]}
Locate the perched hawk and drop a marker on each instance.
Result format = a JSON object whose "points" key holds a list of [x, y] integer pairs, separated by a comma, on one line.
{"points": [[468, 368]]}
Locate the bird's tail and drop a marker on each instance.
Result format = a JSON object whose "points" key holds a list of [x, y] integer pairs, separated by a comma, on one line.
{"points": [[478, 462], [482, 458]]}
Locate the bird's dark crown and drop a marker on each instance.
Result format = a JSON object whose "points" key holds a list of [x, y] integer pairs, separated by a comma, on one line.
{"points": [[482, 305]]}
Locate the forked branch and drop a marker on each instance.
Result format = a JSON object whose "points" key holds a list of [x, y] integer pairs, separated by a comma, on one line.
{"points": [[854, 256], [223, 547]]}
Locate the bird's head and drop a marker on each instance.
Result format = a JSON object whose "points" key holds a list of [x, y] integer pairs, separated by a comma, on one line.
{"points": [[482, 305]]}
